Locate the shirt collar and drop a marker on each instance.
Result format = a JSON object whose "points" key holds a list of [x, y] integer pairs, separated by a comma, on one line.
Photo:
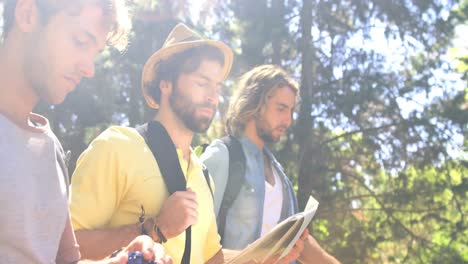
{"points": [[249, 146]]}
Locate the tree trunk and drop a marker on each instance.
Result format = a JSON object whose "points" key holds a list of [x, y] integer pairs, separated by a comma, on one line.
{"points": [[254, 31], [134, 116], [277, 32], [304, 124]]}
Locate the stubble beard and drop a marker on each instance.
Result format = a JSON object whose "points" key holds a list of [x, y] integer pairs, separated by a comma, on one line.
{"points": [[185, 109]]}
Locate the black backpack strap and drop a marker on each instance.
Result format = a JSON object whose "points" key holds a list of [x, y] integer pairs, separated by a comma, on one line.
{"points": [[203, 147], [236, 178], [143, 132], [164, 151], [206, 173]]}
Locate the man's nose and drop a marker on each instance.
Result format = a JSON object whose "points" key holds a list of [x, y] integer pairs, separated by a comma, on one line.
{"points": [[86, 68]]}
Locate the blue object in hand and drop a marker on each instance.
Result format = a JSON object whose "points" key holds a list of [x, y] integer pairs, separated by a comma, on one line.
{"points": [[137, 258]]}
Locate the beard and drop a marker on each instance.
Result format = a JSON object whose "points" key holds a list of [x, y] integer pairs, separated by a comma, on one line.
{"points": [[186, 110], [265, 131]]}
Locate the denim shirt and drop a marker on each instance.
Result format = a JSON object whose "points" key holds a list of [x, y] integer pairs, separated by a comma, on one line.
{"points": [[245, 217]]}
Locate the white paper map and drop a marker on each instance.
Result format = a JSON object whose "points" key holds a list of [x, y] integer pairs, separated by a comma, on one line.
{"points": [[281, 239]]}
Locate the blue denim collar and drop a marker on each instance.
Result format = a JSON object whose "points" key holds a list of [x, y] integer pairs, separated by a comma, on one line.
{"points": [[249, 146]]}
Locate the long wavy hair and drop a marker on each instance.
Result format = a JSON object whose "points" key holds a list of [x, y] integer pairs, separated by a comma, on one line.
{"points": [[251, 95]]}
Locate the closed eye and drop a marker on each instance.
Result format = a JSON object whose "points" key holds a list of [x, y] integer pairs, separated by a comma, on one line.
{"points": [[78, 42], [282, 109]]}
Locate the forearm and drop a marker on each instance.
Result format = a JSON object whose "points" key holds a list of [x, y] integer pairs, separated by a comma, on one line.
{"points": [[218, 258], [100, 243], [90, 262], [224, 256], [313, 253], [87, 261], [118, 260], [229, 254]]}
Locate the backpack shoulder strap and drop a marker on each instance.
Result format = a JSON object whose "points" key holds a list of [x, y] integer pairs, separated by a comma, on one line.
{"points": [[158, 139], [236, 178], [164, 151], [206, 173]]}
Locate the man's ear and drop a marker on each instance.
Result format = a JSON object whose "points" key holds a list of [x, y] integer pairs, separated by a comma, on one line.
{"points": [[165, 87], [26, 15]]}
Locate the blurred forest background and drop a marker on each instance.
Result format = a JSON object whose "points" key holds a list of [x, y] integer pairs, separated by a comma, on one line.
{"points": [[380, 135]]}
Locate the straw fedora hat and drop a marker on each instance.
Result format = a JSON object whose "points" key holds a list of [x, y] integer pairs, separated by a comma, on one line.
{"points": [[180, 39]]}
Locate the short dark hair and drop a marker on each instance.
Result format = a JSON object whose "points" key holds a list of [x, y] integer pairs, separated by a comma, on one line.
{"points": [[186, 61], [115, 13]]}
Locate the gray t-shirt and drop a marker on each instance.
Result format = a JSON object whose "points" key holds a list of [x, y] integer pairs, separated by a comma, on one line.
{"points": [[34, 219]]}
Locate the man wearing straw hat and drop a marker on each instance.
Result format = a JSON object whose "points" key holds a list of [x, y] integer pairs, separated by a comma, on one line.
{"points": [[118, 190]]}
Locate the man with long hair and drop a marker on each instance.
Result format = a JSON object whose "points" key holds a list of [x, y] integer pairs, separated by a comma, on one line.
{"points": [[259, 113]]}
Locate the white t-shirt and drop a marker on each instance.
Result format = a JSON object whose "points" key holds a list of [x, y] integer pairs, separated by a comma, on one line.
{"points": [[273, 204], [34, 220]]}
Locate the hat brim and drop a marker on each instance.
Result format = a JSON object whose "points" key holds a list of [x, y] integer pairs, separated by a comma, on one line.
{"points": [[151, 66]]}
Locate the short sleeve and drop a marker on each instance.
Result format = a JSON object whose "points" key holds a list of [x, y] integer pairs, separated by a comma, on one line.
{"points": [[95, 191]]}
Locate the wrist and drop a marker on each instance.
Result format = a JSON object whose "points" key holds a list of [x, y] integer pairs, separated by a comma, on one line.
{"points": [[146, 227], [157, 232], [144, 224], [115, 253]]}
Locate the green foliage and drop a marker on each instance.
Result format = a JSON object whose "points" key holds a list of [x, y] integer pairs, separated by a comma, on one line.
{"points": [[369, 124]]}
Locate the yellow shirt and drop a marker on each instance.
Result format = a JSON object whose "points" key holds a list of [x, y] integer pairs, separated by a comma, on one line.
{"points": [[118, 174]]}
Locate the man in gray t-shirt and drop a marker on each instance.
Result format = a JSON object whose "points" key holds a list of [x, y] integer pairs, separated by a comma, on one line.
{"points": [[48, 46], [29, 169]]}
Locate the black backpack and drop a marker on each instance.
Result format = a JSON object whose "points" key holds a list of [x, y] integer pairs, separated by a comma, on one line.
{"points": [[236, 179], [164, 151]]}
